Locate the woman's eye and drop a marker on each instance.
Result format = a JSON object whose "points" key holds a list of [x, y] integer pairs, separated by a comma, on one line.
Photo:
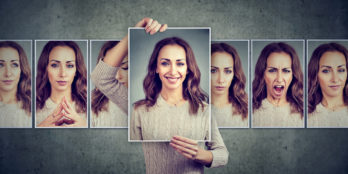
{"points": [[125, 68], [70, 66], [228, 71], [15, 65], [180, 64], [325, 71], [54, 65], [213, 70], [164, 63], [1, 65], [272, 70], [286, 71], [341, 70]]}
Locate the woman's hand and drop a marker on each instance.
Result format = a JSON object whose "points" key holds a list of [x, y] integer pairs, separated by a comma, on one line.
{"points": [[53, 118], [190, 149], [151, 26], [74, 120]]}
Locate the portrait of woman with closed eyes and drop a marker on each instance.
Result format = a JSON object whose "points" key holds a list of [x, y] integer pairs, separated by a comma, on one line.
{"points": [[327, 86], [15, 85], [61, 86], [228, 82], [278, 87], [106, 113]]}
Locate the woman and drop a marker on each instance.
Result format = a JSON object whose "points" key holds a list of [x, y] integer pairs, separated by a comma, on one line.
{"points": [[15, 86], [327, 87], [159, 157], [277, 88], [104, 112], [61, 95], [229, 99]]}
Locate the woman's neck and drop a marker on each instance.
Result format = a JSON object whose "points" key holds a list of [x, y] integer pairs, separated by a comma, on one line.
{"points": [[277, 102], [8, 97], [56, 96], [333, 103], [174, 97], [220, 100]]}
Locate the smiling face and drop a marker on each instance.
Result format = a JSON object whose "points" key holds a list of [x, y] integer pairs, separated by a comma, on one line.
{"points": [[278, 75], [122, 73], [172, 66], [221, 72], [61, 68], [10, 70], [332, 75]]}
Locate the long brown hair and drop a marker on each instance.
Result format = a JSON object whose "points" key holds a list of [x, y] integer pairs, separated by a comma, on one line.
{"points": [[191, 90], [236, 92], [315, 94], [99, 100], [24, 85], [79, 85], [294, 95]]}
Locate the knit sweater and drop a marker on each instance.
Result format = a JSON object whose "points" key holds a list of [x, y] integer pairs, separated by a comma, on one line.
{"points": [[225, 118], [323, 117], [13, 116], [48, 109], [111, 118], [103, 76], [269, 116]]}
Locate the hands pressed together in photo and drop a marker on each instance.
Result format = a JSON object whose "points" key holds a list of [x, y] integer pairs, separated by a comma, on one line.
{"points": [[64, 113]]}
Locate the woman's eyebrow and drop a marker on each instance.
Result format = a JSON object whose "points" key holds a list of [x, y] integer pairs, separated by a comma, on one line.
{"points": [[325, 66], [343, 65], [228, 67], [10, 61], [124, 62]]}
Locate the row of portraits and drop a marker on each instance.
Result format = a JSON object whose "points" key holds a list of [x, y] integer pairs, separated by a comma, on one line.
{"points": [[267, 75]]}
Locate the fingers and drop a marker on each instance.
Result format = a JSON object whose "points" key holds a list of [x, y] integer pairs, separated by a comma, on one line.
{"points": [[163, 27], [185, 146], [151, 26], [144, 22]]}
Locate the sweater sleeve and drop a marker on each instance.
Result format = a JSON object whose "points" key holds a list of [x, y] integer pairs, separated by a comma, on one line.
{"points": [[217, 147], [135, 126], [103, 76]]}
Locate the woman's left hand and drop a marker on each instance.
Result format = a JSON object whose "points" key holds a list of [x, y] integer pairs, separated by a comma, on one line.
{"points": [[190, 149], [70, 113]]}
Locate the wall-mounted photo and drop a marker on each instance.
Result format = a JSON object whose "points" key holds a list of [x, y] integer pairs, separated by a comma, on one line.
{"points": [[327, 83], [277, 86], [229, 83], [104, 112], [61, 83], [169, 84], [15, 84]]}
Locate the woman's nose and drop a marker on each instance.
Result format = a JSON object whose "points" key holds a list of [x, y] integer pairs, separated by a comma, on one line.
{"points": [[334, 77], [221, 77], [118, 75], [62, 72], [8, 71]]}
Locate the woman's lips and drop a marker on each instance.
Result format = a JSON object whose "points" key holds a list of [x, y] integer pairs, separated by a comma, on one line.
{"points": [[278, 90], [172, 80], [62, 83], [220, 88], [7, 82], [335, 87]]}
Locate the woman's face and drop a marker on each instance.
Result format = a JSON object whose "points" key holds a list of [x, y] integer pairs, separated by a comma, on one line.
{"points": [[122, 73], [278, 75], [10, 70], [332, 75], [61, 68], [221, 72], [172, 66]]}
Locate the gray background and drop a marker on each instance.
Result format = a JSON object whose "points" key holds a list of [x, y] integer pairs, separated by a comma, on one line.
{"points": [[107, 150], [141, 46]]}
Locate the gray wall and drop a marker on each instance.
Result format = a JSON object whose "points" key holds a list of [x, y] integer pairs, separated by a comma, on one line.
{"points": [[107, 150]]}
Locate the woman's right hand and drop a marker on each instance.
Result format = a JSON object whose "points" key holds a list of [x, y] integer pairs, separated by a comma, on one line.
{"points": [[151, 26], [52, 119]]}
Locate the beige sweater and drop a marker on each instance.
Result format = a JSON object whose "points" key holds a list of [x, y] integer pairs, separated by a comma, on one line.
{"points": [[225, 118], [48, 109], [162, 122], [13, 116], [270, 116], [113, 117], [323, 117]]}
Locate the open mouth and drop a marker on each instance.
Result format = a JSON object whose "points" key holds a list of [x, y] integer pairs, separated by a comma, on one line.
{"points": [[278, 89], [172, 80], [7, 82], [62, 83]]}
